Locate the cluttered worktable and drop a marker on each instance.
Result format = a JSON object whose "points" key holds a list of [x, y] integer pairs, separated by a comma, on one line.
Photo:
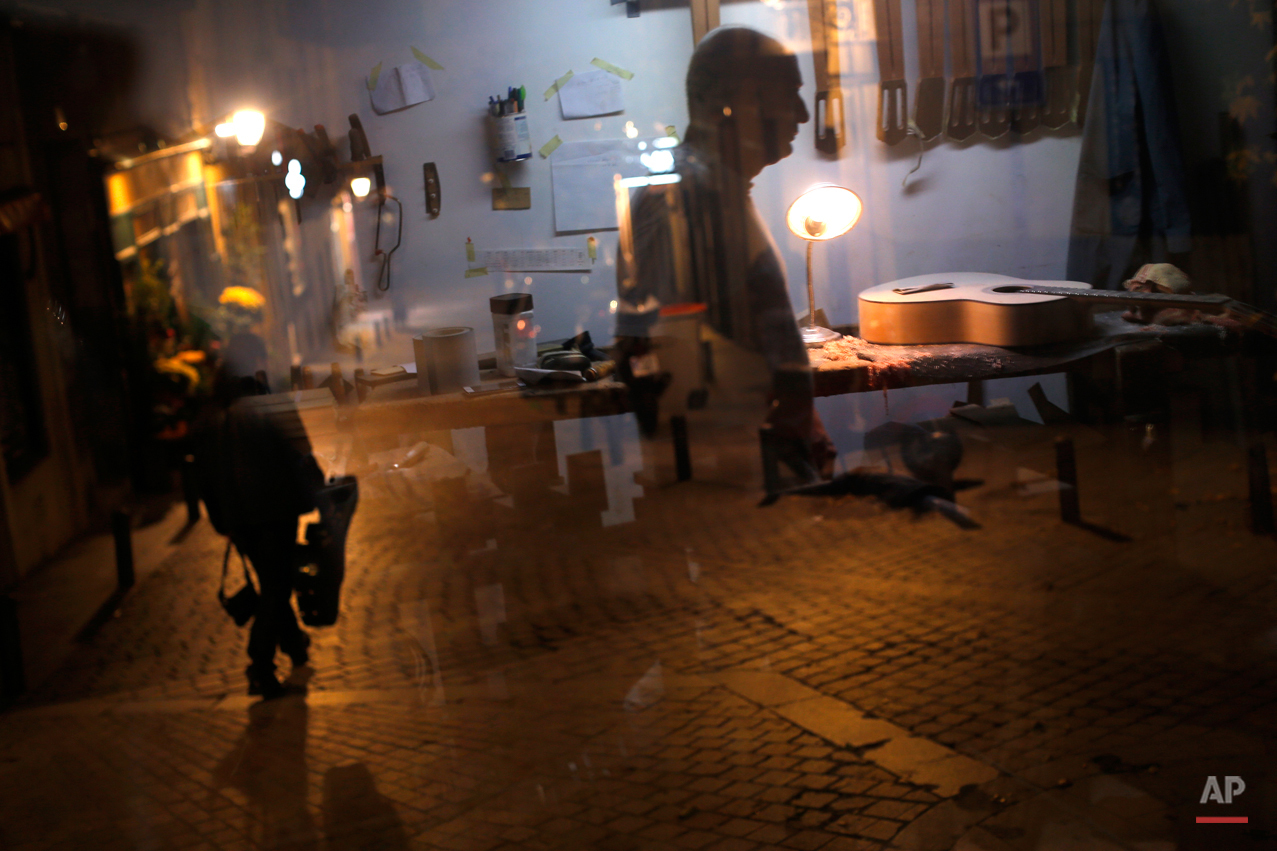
{"points": [[851, 365], [402, 406]]}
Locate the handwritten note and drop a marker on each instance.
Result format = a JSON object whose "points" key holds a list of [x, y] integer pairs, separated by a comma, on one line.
{"points": [[401, 87], [591, 93]]}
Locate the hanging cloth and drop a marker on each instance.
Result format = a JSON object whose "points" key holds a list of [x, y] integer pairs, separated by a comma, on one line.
{"points": [[1130, 205]]}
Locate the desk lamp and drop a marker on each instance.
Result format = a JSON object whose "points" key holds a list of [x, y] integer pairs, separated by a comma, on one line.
{"points": [[822, 212]]}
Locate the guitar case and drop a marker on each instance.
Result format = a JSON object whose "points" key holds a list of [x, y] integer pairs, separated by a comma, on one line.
{"points": [[321, 561]]}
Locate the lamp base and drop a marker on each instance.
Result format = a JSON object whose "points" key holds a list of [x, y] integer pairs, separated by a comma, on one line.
{"points": [[815, 336]]}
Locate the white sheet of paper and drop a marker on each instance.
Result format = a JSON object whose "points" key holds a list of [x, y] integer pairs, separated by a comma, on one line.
{"points": [[582, 175], [402, 86], [591, 93], [535, 259]]}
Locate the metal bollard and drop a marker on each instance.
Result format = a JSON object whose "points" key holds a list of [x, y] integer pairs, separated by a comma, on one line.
{"points": [[1261, 495], [190, 490], [121, 528], [1066, 474], [13, 680], [682, 454]]}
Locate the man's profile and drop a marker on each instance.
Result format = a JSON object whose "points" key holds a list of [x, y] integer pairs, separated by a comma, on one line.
{"points": [[700, 239]]}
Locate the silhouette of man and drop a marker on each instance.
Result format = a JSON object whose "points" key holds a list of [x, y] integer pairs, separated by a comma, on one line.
{"points": [[257, 474], [700, 239]]}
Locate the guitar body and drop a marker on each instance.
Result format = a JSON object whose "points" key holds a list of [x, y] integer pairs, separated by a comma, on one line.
{"points": [[971, 310]]}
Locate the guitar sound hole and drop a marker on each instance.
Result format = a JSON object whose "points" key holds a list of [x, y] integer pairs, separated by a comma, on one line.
{"points": [[1010, 289]]}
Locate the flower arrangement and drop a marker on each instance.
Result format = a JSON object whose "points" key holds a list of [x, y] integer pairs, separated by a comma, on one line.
{"points": [[169, 342], [239, 310]]}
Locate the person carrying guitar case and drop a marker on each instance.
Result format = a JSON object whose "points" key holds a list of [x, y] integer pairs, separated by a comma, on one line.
{"points": [[256, 474]]}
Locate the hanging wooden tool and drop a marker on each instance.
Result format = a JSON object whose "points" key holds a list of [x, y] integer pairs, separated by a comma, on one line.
{"points": [[893, 91], [1089, 16], [1059, 79], [928, 101], [828, 111], [962, 90], [705, 17], [994, 32], [1026, 59]]}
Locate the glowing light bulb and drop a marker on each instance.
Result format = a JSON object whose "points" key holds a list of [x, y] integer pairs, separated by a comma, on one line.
{"points": [[824, 212], [276, 158], [249, 126], [224, 130], [630, 130], [295, 180], [361, 186]]}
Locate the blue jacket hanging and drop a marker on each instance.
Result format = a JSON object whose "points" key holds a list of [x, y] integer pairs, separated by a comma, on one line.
{"points": [[1130, 179]]}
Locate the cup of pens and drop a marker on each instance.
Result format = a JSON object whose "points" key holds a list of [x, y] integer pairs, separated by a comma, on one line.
{"points": [[510, 126]]}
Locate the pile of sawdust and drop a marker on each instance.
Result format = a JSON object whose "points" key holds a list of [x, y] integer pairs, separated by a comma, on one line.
{"points": [[853, 352]]}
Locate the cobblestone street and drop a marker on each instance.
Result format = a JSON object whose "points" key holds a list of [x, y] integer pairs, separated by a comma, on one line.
{"points": [[820, 673]]}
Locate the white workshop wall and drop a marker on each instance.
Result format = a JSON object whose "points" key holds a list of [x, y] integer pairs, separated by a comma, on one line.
{"points": [[986, 206], [981, 206]]}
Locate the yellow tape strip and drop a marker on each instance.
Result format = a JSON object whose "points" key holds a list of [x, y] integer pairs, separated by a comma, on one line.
{"points": [[558, 84], [426, 60], [373, 77], [469, 251], [505, 181], [551, 146], [477, 273], [613, 69], [671, 131], [593, 246]]}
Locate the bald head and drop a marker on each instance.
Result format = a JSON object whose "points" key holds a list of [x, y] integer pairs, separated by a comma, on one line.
{"points": [[750, 81], [731, 61]]}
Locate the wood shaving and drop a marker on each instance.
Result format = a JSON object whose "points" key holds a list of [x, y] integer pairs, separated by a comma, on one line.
{"points": [[881, 362]]}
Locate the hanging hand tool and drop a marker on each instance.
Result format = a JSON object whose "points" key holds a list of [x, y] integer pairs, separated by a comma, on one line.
{"points": [[893, 114], [1026, 59], [1059, 78], [928, 102], [962, 88], [995, 83], [827, 114]]}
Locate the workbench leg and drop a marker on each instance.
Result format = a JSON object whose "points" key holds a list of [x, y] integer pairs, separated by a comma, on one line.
{"points": [[1066, 474], [975, 393], [771, 463], [1261, 497], [682, 455]]}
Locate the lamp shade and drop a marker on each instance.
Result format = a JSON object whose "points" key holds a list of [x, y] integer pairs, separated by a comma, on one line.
{"points": [[824, 212]]}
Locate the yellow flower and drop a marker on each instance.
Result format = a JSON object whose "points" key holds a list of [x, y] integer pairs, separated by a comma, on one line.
{"points": [[174, 366], [246, 297], [190, 356]]}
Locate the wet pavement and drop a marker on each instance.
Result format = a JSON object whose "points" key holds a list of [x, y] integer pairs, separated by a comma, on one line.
{"points": [[529, 667]]}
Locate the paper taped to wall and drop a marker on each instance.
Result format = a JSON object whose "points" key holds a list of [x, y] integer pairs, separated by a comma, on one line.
{"points": [[582, 175], [536, 259], [591, 93], [402, 86]]}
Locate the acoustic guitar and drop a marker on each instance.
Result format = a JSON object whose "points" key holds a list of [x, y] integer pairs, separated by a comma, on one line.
{"points": [[998, 310]]}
